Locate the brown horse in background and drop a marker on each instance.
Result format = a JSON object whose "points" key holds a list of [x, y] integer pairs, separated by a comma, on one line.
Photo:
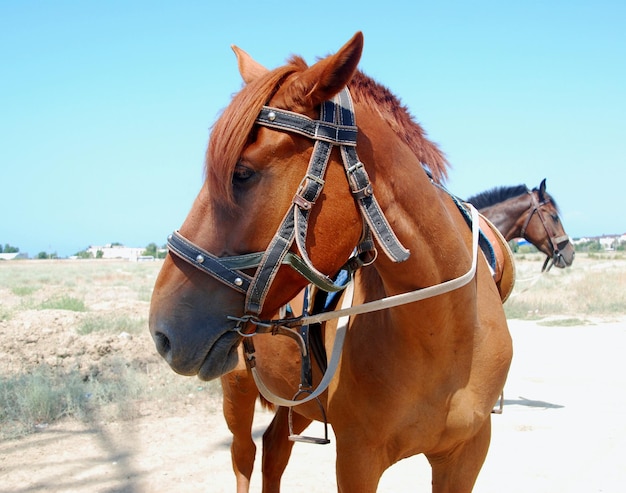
{"points": [[518, 212], [427, 348]]}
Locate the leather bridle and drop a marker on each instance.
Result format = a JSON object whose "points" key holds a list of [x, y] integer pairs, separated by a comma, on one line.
{"points": [[336, 127], [555, 241]]}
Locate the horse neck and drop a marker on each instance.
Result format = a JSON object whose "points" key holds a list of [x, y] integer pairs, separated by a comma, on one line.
{"points": [[427, 222], [509, 216], [422, 215], [435, 232]]}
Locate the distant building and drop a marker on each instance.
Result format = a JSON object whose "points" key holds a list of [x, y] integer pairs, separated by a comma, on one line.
{"points": [[116, 252], [607, 242], [13, 256]]}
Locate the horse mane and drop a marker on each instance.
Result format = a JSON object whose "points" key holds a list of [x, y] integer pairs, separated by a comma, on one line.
{"points": [[234, 127], [398, 117], [496, 195]]}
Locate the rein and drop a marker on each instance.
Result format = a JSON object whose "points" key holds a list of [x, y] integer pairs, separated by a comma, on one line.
{"points": [[535, 207]]}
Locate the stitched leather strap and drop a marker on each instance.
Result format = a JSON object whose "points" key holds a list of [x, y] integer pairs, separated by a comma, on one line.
{"points": [[363, 192], [207, 262], [228, 269], [326, 131]]}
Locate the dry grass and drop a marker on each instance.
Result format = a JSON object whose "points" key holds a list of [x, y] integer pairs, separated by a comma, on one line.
{"points": [[74, 342], [32, 400], [109, 299], [593, 287]]}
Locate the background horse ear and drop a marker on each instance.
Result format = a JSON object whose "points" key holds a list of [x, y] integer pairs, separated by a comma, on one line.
{"points": [[249, 68], [327, 77], [542, 189]]}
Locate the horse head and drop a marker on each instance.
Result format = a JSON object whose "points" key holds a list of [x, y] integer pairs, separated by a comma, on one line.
{"points": [[544, 229], [235, 255]]}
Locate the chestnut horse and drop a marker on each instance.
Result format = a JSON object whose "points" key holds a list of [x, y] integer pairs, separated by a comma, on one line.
{"points": [[518, 212], [426, 347]]}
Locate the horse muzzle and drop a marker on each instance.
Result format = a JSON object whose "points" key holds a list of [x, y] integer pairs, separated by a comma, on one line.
{"points": [[191, 352], [564, 256], [190, 327]]}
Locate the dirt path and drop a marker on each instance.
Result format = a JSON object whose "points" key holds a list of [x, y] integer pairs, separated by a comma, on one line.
{"points": [[562, 430]]}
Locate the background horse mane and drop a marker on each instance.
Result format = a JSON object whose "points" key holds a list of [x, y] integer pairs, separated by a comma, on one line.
{"points": [[235, 127], [498, 195]]}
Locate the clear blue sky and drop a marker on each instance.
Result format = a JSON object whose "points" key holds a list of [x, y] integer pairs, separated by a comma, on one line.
{"points": [[106, 107]]}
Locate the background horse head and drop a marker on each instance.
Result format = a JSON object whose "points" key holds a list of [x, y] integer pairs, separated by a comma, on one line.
{"points": [[534, 215], [288, 202]]}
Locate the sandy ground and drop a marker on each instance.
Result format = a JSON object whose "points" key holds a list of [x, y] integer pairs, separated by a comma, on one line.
{"points": [[562, 430]]}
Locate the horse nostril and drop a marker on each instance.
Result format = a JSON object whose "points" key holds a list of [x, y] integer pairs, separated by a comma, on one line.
{"points": [[162, 343]]}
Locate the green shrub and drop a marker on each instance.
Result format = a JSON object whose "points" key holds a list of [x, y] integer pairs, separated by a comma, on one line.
{"points": [[41, 397], [114, 325], [37, 398], [23, 290], [64, 303]]}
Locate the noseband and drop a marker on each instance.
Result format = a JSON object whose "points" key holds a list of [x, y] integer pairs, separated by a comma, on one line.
{"points": [[336, 127], [555, 241]]}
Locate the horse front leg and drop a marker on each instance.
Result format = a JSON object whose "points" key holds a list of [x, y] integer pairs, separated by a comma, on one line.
{"points": [[240, 394], [457, 470], [359, 464], [277, 447]]}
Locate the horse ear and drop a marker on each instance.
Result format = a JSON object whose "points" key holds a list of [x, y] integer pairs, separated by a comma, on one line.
{"points": [[327, 77], [542, 188], [249, 68]]}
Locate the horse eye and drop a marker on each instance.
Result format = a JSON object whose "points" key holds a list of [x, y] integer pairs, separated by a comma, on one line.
{"points": [[242, 174]]}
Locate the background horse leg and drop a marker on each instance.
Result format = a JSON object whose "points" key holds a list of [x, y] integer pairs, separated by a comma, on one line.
{"points": [[277, 447], [240, 394], [457, 470]]}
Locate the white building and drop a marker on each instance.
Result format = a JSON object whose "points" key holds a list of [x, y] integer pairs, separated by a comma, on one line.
{"points": [[116, 252], [607, 242], [13, 256]]}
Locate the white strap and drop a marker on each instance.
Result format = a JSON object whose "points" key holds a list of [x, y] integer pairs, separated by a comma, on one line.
{"points": [[340, 335], [411, 296]]}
